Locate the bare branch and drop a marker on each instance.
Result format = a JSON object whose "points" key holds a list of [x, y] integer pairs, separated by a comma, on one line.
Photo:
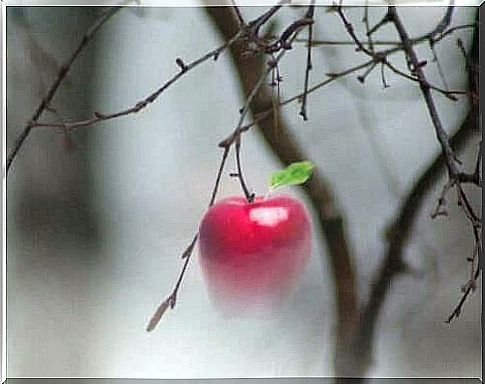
{"points": [[469, 288], [287, 150], [416, 68], [376, 27], [140, 105], [309, 15], [239, 16], [398, 236], [427, 37], [382, 55], [249, 196], [263, 19], [171, 300], [445, 92], [19, 141], [365, 20], [234, 138], [258, 118]]}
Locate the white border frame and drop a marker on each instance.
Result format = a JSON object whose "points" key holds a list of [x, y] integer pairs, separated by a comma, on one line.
{"points": [[3, 268], [138, 3]]}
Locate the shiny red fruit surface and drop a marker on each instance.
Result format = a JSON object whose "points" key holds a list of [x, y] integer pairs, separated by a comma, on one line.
{"points": [[253, 251]]}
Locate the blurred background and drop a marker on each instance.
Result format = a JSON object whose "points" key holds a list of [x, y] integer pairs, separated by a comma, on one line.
{"points": [[96, 221]]}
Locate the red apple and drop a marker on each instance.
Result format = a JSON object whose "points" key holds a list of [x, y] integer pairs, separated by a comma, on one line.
{"points": [[254, 251]]}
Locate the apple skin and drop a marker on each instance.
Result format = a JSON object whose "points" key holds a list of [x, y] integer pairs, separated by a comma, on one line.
{"points": [[254, 252]]}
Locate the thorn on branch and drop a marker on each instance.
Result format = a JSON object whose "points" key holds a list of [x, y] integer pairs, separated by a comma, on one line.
{"points": [[422, 64], [452, 98], [99, 115], [415, 68], [190, 248], [362, 78], [181, 64]]}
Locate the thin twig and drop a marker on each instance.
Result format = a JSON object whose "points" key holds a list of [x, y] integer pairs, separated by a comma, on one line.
{"points": [[331, 78], [380, 24], [228, 141], [458, 309], [350, 30], [240, 175], [445, 92], [426, 90], [456, 177], [397, 44], [171, 300], [382, 56], [234, 138], [383, 77], [309, 15], [184, 69], [370, 41], [398, 235], [362, 77], [99, 117], [239, 16], [318, 42], [91, 31], [287, 150], [438, 65]]}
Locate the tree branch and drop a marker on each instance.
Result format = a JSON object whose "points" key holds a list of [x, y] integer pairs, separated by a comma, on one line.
{"points": [[45, 103], [381, 56], [285, 148], [416, 68], [398, 236], [233, 139], [171, 300], [184, 69], [399, 233], [309, 15]]}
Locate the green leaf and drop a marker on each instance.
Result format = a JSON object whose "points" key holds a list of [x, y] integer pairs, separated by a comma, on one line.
{"points": [[294, 174]]}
